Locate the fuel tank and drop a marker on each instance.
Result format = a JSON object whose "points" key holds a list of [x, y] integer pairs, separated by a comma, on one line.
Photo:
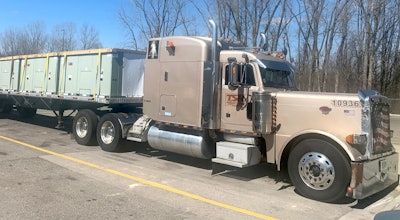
{"points": [[187, 144]]}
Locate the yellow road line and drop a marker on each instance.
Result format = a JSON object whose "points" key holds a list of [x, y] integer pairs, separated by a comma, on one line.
{"points": [[143, 181]]}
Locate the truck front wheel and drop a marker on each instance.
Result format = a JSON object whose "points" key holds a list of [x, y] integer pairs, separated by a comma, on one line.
{"points": [[319, 170], [109, 133], [84, 127]]}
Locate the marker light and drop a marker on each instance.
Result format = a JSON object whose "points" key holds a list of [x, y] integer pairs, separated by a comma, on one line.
{"points": [[356, 139]]}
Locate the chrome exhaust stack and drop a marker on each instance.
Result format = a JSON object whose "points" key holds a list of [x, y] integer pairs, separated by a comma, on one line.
{"points": [[213, 121]]}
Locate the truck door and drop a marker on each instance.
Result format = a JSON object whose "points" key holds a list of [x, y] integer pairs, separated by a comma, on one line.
{"points": [[236, 101]]}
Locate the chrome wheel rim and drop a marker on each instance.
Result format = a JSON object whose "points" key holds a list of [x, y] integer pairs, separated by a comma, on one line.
{"points": [[82, 127], [107, 132], [316, 170]]}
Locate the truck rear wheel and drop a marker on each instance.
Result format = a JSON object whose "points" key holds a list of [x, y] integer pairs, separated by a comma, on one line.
{"points": [[84, 127], [319, 170], [109, 133]]}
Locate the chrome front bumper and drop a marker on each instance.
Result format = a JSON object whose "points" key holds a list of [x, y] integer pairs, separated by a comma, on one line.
{"points": [[373, 176]]}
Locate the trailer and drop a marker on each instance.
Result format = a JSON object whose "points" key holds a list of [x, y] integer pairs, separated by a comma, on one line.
{"points": [[73, 80], [211, 99]]}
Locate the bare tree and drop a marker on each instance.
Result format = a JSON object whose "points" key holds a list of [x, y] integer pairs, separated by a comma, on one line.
{"points": [[205, 9], [304, 37], [30, 40], [238, 16], [269, 20], [9, 43], [63, 38], [394, 85], [89, 37], [370, 13], [243, 20], [276, 24], [340, 45], [314, 15], [37, 38], [188, 20], [329, 35], [34, 39], [343, 66], [224, 18], [153, 18], [128, 22]]}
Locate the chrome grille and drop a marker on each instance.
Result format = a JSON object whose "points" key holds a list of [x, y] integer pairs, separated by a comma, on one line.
{"points": [[380, 120]]}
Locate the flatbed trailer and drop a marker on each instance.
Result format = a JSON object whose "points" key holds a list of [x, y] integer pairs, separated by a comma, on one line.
{"points": [[73, 80]]}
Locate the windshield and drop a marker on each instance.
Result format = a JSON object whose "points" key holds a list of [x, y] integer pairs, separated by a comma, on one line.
{"points": [[276, 74]]}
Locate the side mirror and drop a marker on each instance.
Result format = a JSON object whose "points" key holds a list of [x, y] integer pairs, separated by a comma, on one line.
{"points": [[233, 74]]}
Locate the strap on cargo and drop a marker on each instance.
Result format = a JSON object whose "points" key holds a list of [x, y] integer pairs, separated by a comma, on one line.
{"points": [[23, 73], [97, 73], [11, 72], [46, 69], [62, 73]]}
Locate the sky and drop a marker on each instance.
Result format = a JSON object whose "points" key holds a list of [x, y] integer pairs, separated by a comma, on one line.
{"points": [[102, 14]]}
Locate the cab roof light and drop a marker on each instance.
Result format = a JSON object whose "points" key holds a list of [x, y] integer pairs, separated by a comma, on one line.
{"points": [[170, 44], [170, 48]]}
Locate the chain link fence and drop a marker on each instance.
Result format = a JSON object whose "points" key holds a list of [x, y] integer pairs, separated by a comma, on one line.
{"points": [[395, 106]]}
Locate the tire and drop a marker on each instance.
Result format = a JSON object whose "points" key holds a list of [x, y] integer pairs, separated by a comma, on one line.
{"points": [[26, 112], [84, 127], [109, 133], [319, 170]]}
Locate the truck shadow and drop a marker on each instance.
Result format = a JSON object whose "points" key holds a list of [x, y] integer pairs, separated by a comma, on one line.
{"points": [[364, 203], [146, 150], [253, 172], [244, 174], [262, 170], [47, 120]]}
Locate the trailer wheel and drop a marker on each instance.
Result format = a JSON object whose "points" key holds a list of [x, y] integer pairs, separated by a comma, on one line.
{"points": [[109, 133], [319, 170], [26, 112], [84, 127]]}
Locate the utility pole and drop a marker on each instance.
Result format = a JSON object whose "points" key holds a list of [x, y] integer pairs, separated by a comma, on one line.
{"points": [[63, 32]]}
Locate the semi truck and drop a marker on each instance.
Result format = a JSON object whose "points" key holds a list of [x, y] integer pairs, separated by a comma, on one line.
{"points": [[210, 99]]}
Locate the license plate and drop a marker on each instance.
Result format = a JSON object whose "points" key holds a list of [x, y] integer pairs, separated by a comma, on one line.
{"points": [[382, 165]]}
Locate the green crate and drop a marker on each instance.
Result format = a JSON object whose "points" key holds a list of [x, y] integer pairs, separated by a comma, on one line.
{"points": [[9, 74], [5, 74], [100, 73]]}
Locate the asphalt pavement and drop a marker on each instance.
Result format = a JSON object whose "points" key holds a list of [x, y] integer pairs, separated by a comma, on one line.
{"points": [[48, 176]]}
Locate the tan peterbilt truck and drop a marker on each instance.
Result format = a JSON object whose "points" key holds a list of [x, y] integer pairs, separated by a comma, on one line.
{"points": [[207, 99]]}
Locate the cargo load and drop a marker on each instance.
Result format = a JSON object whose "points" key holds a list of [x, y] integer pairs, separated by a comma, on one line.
{"points": [[102, 75]]}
